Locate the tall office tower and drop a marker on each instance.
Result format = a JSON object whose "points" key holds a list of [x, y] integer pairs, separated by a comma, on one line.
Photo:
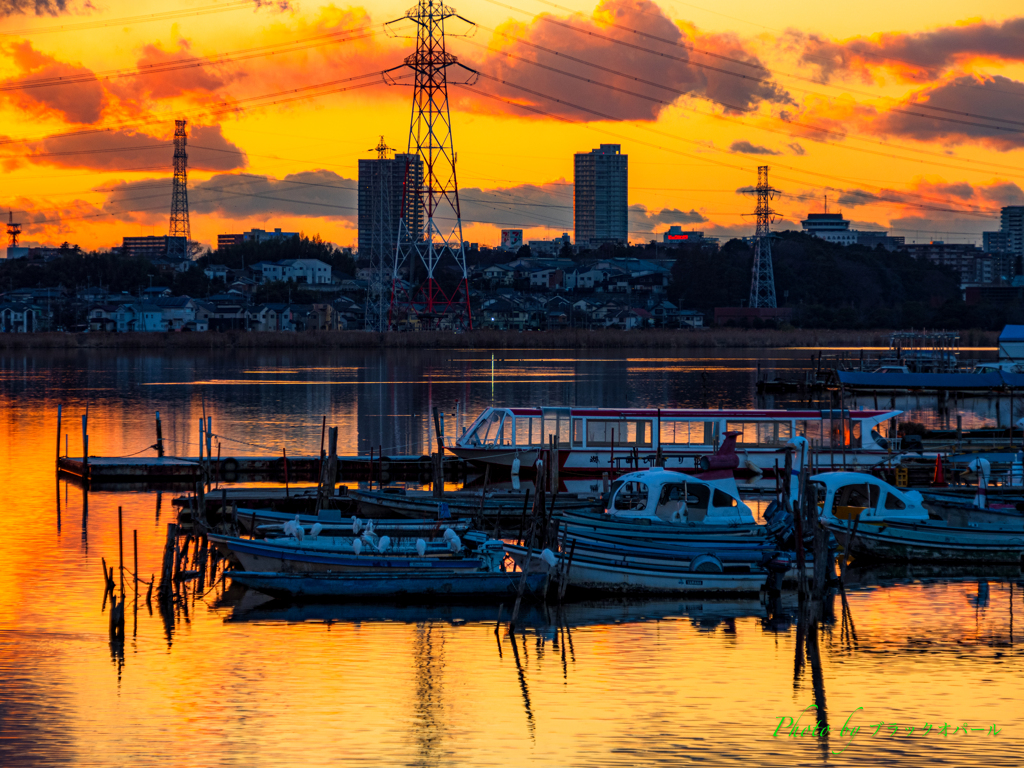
{"points": [[601, 202]]}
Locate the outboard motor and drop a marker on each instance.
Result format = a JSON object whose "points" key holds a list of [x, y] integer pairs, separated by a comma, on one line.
{"points": [[777, 564], [780, 524]]}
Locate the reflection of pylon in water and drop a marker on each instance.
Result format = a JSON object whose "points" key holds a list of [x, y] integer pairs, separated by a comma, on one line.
{"points": [[430, 137]]}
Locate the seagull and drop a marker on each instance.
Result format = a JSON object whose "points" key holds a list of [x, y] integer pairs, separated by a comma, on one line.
{"points": [[421, 547], [455, 543], [382, 545], [315, 530], [357, 546], [356, 525]]}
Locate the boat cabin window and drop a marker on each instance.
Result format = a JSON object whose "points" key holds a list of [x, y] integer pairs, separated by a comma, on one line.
{"points": [[762, 433], [624, 432], [687, 433], [556, 424], [529, 430], [722, 499], [859, 495], [894, 502], [490, 431], [673, 495], [577, 433], [837, 433], [631, 496]]}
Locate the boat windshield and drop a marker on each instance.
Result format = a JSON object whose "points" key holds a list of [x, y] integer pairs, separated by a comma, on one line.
{"points": [[632, 496], [489, 431], [689, 499]]}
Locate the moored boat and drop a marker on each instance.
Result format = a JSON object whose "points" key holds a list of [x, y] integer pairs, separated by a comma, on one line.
{"points": [[597, 440], [874, 520]]}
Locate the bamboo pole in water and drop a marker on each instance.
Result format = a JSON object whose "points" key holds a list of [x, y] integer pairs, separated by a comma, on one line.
{"points": [[58, 430]]}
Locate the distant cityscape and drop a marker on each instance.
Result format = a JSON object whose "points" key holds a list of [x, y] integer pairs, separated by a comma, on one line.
{"points": [[593, 279]]}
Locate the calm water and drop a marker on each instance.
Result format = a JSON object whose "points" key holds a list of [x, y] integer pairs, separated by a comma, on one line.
{"points": [[242, 683]]}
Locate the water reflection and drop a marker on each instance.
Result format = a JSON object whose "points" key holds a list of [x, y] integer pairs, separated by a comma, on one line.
{"points": [[213, 674]]}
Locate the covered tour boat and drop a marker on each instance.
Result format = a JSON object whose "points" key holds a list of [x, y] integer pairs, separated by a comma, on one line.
{"points": [[592, 441]]}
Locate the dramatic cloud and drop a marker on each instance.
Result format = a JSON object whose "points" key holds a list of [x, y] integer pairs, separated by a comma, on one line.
{"points": [[198, 82], [552, 58], [123, 150], [80, 103], [919, 56], [643, 221], [746, 148]]}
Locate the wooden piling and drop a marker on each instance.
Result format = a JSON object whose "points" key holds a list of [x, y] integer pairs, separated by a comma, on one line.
{"points": [[85, 445], [135, 570], [120, 549], [284, 454], [522, 519], [159, 437], [59, 409]]}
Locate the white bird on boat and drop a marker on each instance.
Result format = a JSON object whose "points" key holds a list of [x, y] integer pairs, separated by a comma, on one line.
{"points": [[449, 534], [289, 528], [357, 546], [421, 547], [454, 543], [356, 525], [369, 527], [548, 557], [315, 530], [383, 544]]}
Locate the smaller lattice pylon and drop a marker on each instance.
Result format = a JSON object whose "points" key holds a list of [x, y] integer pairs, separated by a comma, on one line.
{"points": [[13, 230], [762, 282], [382, 149]]}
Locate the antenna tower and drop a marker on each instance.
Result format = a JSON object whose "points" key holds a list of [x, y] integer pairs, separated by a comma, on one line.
{"points": [[179, 234], [762, 286], [13, 230], [430, 137], [382, 240]]}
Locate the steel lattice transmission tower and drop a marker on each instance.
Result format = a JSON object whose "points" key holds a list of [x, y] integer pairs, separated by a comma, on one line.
{"points": [[430, 137], [179, 235], [762, 285], [382, 240]]}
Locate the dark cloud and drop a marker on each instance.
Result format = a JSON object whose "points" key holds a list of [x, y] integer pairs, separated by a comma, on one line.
{"points": [[797, 148], [314, 194], [746, 148], [655, 72], [39, 7], [919, 56], [208, 150], [641, 220], [936, 194], [998, 98], [80, 103], [525, 205]]}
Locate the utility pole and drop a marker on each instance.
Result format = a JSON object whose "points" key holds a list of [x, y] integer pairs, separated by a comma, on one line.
{"points": [[762, 285]]}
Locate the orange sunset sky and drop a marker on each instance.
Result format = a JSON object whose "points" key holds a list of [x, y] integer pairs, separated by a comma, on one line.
{"points": [[908, 116]]}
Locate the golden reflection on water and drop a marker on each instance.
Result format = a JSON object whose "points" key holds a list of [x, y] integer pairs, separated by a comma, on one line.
{"points": [[240, 681]]}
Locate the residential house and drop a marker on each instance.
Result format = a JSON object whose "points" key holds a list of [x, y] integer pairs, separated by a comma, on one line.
{"points": [[23, 318], [139, 317], [103, 318]]}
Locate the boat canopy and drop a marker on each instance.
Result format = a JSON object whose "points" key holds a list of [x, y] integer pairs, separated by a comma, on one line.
{"points": [[525, 429], [849, 495], [659, 495]]}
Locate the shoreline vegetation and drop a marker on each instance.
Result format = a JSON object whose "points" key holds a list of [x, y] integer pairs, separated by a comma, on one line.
{"points": [[712, 338]]}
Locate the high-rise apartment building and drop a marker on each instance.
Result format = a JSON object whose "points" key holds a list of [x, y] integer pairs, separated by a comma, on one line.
{"points": [[400, 179], [1011, 225], [601, 204]]}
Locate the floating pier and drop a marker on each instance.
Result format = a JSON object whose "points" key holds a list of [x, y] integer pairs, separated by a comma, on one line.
{"points": [[266, 468]]}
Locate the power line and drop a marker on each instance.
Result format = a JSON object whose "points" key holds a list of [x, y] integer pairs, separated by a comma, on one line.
{"points": [[125, 20]]}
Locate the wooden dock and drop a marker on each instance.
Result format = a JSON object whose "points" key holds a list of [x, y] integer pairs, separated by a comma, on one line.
{"points": [[253, 468]]}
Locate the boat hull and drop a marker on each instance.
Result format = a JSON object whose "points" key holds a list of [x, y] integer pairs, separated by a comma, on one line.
{"points": [[261, 556], [447, 585], [929, 543]]}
